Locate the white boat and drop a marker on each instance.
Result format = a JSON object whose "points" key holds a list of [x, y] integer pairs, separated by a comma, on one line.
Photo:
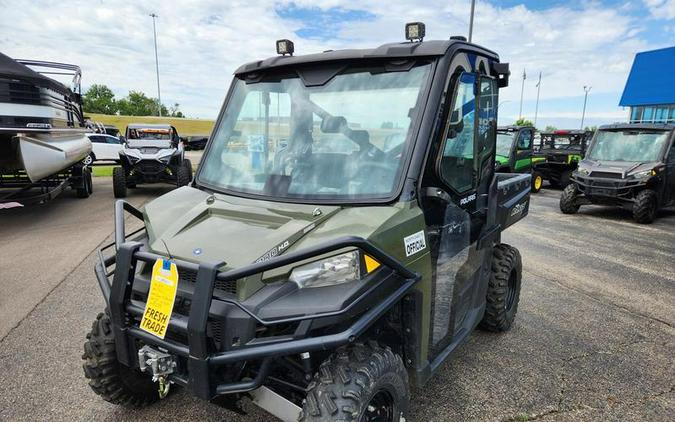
{"points": [[42, 130]]}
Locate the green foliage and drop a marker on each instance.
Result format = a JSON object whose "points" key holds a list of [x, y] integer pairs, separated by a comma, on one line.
{"points": [[550, 128], [99, 99], [523, 122], [591, 128]]}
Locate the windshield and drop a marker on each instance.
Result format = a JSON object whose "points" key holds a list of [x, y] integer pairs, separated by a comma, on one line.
{"points": [[343, 140], [149, 134], [633, 146], [504, 143]]}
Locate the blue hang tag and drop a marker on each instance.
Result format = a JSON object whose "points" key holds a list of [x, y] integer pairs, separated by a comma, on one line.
{"points": [[166, 265]]}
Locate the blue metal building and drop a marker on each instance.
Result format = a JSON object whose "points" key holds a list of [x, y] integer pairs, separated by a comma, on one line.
{"points": [[650, 89]]}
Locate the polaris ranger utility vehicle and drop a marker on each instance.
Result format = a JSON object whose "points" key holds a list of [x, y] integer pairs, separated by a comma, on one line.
{"points": [[514, 152], [558, 153], [631, 165], [308, 266], [152, 154]]}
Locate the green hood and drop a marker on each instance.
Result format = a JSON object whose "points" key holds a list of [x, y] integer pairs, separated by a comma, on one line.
{"points": [[502, 159], [239, 231]]}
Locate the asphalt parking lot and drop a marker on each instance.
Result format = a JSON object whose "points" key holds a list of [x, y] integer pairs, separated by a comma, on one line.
{"points": [[594, 338]]}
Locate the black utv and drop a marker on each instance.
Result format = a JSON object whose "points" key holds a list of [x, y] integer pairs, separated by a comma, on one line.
{"points": [[514, 152], [557, 154], [341, 238], [631, 165], [153, 153]]}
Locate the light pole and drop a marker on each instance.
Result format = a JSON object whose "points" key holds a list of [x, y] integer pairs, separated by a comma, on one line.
{"points": [[587, 89], [536, 107], [159, 95], [473, 8], [522, 90]]}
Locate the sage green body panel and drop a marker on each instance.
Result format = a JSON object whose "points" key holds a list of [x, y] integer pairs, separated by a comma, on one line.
{"points": [[238, 231]]}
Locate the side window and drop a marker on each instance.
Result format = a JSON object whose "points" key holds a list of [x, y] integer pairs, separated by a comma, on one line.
{"points": [[525, 139], [671, 154], [97, 139], [112, 140], [487, 126], [456, 166]]}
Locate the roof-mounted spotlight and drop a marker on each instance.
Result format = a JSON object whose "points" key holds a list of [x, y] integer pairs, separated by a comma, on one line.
{"points": [[414, 31], [285, 47]]}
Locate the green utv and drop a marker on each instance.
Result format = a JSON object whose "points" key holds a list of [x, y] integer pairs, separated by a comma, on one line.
{"points": [[631, 165], [558, 153], [514, 152], [315, 265]]}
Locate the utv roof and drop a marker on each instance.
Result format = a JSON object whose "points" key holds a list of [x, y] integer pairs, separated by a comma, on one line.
{"points": [[647, 126], [392, 50], [566, 132], [18, 69], [148, 126]]}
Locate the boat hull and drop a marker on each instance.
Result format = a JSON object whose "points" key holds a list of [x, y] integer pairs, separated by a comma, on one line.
{"points": [[44, 154]]}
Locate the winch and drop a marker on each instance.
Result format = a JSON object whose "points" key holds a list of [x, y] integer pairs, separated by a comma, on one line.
{"points": [[161, 365]]}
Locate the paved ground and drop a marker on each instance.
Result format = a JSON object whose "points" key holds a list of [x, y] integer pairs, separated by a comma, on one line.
{"points": [[594, 338]]}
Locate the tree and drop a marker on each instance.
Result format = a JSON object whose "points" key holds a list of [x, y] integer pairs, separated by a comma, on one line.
{"points": [[174, 112], [99, 99], [137, 104], [550, 128], [591, 128], [523, 122]]}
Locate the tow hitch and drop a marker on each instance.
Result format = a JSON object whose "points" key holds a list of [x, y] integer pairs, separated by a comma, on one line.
{"points": [[161, 365]]}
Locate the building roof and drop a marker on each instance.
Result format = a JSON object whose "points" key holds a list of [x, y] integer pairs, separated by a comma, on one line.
{"points": [[651, 80]]}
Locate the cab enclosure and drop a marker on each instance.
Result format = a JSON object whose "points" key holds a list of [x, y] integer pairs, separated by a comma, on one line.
{"points": [[557, 154]]}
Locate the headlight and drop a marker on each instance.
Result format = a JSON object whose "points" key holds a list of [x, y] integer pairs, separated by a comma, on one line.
{"points": [[643, 174], [583, 171], [332, 271]]}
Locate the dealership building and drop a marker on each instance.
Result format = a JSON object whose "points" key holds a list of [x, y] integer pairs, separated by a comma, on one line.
{"points": [[650, 89]]}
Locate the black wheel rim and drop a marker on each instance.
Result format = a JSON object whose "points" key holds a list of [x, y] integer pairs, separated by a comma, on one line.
{"points": [[380, 408], [511, 291]]}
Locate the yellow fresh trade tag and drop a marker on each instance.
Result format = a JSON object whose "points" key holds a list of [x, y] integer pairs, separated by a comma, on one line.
{"points": [[159, 307]]}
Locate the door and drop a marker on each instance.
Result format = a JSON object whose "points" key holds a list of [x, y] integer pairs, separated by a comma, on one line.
{"points": [[670, 169], [113, 147], [464, 166], [523, 154]]}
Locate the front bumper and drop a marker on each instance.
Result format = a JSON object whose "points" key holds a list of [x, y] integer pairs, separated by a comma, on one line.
{"points": [[621, 190], [191, 337]]}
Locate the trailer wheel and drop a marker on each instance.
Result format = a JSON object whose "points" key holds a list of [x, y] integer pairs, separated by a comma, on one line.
{"points": [[89, 159], [114, 382], [645, 206], [183, 175], [87, 187], [537, 181], [503, 291], [568, 200], [119, 182], [361, 383]]}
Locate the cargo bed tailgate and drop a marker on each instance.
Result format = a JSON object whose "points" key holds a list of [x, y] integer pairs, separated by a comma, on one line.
{"points": [[513, 197]]}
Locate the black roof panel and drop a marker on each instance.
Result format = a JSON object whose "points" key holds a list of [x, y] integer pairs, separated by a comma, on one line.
{"points": [[624, 126], [392, 50]]}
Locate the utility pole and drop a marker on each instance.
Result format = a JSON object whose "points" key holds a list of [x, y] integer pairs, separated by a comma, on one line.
{"points": [[587, 89], [473, 9], [159, 95], [536, 107], [522, 90]]}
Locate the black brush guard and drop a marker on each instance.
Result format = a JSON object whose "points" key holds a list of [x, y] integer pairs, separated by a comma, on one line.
{"points": [[199, 360]]}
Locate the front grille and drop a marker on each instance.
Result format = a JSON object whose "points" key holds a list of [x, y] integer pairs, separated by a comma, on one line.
{"points": [[151, 168], [606, 175], [229, 287], [149, 150]]}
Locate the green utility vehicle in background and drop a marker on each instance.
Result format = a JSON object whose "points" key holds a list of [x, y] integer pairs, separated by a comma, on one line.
{"points": [[631, 165], [514, 152], [316, 265], [558, 153]]}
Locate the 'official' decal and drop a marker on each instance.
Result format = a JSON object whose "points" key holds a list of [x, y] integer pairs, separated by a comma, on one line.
{"points": [[414, 243]]}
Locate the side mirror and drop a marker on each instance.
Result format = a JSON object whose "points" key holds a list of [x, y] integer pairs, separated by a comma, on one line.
{"points": [[333, 124]]}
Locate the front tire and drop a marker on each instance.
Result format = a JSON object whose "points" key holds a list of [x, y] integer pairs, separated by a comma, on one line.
{"points": [[114, 382], [183, 175], [503, 292], [361, 383], [645, 206], [568, 200], [537, 182], [119, 182]]}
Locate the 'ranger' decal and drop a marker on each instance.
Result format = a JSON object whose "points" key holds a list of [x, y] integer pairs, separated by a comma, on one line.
{"points": [[414, 243]]}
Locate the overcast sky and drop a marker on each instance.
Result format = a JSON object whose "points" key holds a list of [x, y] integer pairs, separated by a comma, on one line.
{"points": [[573, 43]]}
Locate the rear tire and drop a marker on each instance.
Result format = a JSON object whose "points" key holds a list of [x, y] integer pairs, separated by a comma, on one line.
{"points": [[183, 175], [537, 182], [645, 207], [119, 182], [114, 382], [503, 292], [87, 187], [360, 383], [568, 200]]}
